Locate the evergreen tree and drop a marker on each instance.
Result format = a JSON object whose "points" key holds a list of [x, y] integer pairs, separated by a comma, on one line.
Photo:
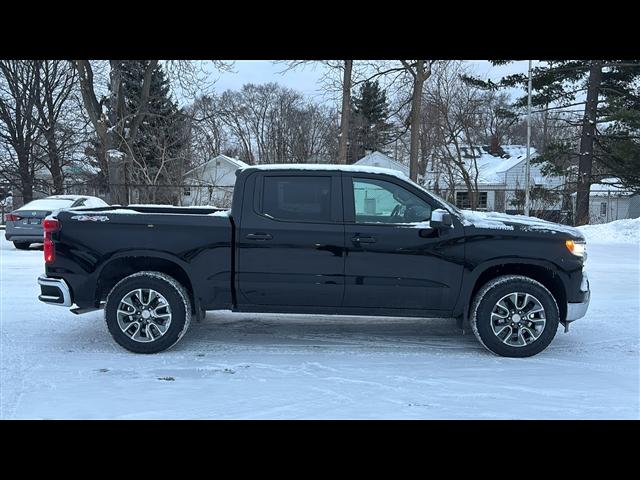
{"points": [[369, 126], [157, 151], [608, 128]]}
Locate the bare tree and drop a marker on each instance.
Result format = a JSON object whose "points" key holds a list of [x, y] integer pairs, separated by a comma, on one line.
{"points": [[272, 124], [455, 107], [496, 119], [345, 112], [55, 81], [420, 70], [19, 125], [208, 136], [117, 127], [334, 69]]}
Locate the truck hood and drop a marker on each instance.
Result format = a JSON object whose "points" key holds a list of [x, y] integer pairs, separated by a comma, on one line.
{"points": [[519, 223]]}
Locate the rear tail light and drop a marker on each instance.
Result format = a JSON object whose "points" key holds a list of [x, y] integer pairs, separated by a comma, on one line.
{"points": [[50, 226], [10, 217]]}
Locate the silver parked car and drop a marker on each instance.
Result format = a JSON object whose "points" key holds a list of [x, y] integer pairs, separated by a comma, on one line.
{"points": [[24, 225]]}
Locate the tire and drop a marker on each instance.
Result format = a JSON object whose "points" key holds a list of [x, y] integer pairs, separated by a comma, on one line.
{"points": [[493, 331], [22, 245], [168, 292]]}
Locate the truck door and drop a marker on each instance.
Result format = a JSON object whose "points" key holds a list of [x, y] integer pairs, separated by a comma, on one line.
{"points": [[392, 261], [291, 240]]}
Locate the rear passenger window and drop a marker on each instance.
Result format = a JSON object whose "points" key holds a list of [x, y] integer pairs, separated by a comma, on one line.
{"points": [[299, 198]]}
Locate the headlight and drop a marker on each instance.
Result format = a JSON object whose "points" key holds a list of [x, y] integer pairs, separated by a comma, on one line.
{"points": [[578, 248]]}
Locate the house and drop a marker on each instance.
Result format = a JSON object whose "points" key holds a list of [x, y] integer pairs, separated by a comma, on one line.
{"points": [[609, 201], [379, 159], [373, 200], [212, 182], [501, 182]]}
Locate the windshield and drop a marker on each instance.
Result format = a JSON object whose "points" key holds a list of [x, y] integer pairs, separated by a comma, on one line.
{"points": [[450, 205], [447, 203], [48, 204]]}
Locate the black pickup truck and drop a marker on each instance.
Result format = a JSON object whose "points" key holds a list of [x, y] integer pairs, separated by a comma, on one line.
{"points": [[321, 239]]}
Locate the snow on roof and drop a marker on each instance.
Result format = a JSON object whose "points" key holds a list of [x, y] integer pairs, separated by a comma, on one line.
{"points": [[330, 167], [491, 168], [609, 185], [233, 161], [379, 159], [69, 197]]}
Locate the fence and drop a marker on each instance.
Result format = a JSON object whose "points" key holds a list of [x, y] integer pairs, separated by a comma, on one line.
{"points": [[189, 194], [553, 205]]}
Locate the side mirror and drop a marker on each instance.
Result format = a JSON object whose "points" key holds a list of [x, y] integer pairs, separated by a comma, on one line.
{"points": [[441, 219]]}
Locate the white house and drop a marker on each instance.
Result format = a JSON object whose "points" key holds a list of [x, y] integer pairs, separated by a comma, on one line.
{"points": [[212, 182], [609, 201], [378, 159], [499, 177]]}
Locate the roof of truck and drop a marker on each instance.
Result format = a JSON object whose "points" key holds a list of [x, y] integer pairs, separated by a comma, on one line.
{"points": [[328, 167]]}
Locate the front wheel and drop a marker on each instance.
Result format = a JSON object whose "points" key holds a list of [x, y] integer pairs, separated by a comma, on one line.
{"points": [[148, 312], [514, 316]]}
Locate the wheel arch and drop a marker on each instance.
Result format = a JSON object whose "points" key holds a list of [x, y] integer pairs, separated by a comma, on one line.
{"points": [[121, 266], [544, 272]]}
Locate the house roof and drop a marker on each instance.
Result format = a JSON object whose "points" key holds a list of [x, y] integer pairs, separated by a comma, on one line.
{"points": [[379, 159], [610, 185], [233, 161], [491, 168]]}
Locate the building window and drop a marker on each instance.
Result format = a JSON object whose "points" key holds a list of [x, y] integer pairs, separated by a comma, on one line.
{"points": [[603, 208], [187, 191], [464, 201]]}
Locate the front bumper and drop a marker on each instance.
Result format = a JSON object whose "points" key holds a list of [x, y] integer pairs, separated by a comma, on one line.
{"points": [[54, 291], [576, 311]]}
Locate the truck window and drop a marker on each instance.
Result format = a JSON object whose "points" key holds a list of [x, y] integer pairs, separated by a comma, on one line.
{"points": [[379, 201], [297, 198]]}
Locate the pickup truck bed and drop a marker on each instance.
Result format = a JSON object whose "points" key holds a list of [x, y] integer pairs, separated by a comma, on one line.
{"points": [[195, 243]]}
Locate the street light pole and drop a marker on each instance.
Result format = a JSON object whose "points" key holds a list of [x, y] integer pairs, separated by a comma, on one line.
{"points": [[527, 167]]}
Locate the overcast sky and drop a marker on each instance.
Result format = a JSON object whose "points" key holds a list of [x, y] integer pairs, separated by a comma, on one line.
{"points": [[307, 79]]}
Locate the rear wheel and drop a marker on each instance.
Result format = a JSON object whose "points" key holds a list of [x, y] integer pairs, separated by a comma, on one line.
{"points": [[514, 316], [148, 312], [22, 245]]}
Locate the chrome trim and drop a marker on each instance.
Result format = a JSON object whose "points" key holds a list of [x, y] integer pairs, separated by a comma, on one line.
{"points": [[58, 283], [584, 285], [578, 310]]}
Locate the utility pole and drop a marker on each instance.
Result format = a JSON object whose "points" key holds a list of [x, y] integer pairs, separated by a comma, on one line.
{"points": [[527, 165]]}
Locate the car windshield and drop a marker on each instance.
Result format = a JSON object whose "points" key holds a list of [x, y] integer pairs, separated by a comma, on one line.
{"points": [[450, 205], [447, 203], [48, 204]]}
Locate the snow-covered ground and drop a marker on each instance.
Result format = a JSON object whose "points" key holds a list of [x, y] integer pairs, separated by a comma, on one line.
{"points": [[620, 231], [58, 365]]}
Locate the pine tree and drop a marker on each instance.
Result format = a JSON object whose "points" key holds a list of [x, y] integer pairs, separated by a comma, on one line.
{"points": [[160, 141], [370, 128], [608, 92]]}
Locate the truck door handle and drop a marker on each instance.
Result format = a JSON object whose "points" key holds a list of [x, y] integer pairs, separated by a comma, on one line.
{"points": [[359, 239], [259, 236]]}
